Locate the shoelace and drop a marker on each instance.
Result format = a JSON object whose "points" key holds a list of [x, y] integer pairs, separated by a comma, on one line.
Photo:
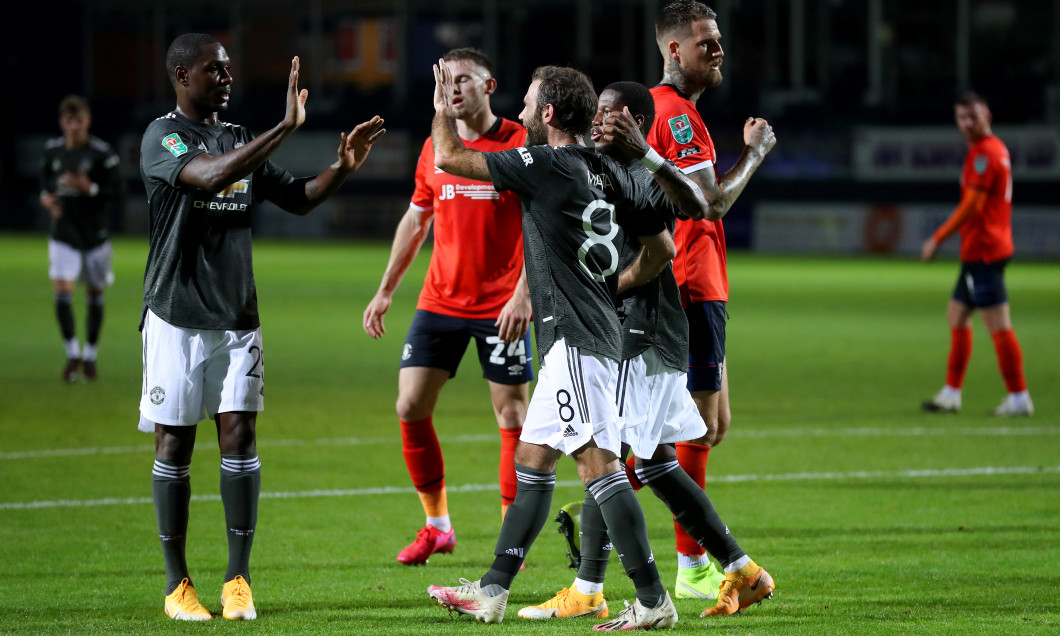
{"points": [[563, 597], [185, 600], [631, 610], [242, 592], [468, 587]]}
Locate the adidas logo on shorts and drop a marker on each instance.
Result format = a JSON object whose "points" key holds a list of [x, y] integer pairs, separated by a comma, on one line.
{"points": [[569, 431]]}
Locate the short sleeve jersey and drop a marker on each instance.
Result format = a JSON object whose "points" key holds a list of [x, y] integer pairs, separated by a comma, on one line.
{"points": [[987, 236], [199, 269], [84, 223], [478, 233], [651, 315], [569, 197], [678, 134]]}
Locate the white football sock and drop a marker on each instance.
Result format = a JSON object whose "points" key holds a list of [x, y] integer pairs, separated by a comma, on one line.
{"points": [[441, 523], [73, 348]]}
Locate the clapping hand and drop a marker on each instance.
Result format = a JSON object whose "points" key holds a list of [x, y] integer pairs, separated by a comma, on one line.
{"points": [[354, 147], [443, 87], [295, 98]]}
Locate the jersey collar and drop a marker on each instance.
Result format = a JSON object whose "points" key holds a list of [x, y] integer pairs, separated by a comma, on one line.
{"points": [[676, 90]]}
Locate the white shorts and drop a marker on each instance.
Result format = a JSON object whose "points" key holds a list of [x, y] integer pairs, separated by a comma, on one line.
{"points": [[92, 267], [654, 405], [194, 374], [573, 401]]}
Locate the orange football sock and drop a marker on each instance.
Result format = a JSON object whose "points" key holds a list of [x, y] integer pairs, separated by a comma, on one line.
{"points": [[506, 473], [435, 503], [631, 472], [693, 459], [1010, 360], [960, 353], [423, 458]]}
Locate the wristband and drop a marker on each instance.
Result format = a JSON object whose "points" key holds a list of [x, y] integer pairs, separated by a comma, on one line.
{"points": [[652, 160], [93, 189]]}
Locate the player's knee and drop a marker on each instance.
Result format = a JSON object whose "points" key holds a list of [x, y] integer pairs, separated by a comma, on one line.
{"points": [[588, 471], [710, 435], [236, 435], [722, 428], [511, 415], [174, 448], [411, 410]]}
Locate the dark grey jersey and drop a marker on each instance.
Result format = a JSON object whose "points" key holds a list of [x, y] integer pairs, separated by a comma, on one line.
{"points": [[84, 223], [199, 269], [571, 198], [652, 314]]}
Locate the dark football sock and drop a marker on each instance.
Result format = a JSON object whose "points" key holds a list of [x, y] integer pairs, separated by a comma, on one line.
{"points": [[64, 311], [594, 542], [171, 491], [525, 517], [629, 533], [95, 319], [691, 508], [240, 488]]}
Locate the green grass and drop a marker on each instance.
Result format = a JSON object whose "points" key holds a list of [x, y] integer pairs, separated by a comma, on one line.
{"points": [[872, 517]]}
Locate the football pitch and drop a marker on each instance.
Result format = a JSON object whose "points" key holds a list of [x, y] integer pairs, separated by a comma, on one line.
{"points": [[873, 517]]}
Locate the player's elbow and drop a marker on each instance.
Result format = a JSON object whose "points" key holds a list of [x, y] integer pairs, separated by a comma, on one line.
{"points": [[666, 254], [701, 211], [208, 179], [208, 173], [714, 210], [445, 161], [657, 255]]}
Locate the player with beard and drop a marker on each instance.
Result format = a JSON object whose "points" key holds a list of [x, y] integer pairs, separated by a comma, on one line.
{"points": [[690, 43], [984, 219], [201, 334], [474, 289], [570, 197], [653, 400]]}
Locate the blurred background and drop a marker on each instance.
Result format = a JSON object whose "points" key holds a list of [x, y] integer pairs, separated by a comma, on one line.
{"points": [[860, 94]]}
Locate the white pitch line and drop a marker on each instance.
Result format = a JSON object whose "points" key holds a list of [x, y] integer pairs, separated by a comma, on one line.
{"points": [[994, 431], [393, 490]]}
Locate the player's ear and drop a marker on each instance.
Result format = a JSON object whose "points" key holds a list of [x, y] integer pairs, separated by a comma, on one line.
{"points": [[548, 112], [181, 73], [673, 48], [491, 86]]}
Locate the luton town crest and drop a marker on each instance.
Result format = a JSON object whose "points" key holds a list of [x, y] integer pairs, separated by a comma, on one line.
{"points": [[681, 128]]}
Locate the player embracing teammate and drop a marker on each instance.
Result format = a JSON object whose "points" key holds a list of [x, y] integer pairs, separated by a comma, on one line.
{"points": [[689, 40]]}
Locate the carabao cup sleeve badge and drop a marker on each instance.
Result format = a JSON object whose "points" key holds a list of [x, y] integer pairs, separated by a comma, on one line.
{"points": [[173, 144], [681, 129]]}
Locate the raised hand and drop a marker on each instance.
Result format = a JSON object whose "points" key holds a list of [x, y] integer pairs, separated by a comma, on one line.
{"points": [[621, 129], [758, 134], [443, 87], [295, 98], [354, 147]]}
